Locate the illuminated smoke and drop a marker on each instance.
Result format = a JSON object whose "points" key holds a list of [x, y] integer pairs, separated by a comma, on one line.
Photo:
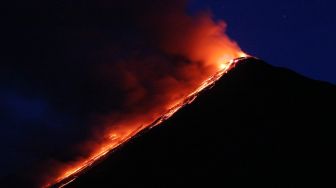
{"points": [[184, 51]]}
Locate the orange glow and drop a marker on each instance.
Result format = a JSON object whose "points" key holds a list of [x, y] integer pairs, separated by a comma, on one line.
{"points": [[120, 135], [211, 52]]}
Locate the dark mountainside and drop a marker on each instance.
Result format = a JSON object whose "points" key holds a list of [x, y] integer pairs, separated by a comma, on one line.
{"points": [[259, 126]]}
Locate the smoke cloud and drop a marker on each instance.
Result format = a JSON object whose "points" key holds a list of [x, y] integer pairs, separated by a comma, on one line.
{"points": [[109, 67]]}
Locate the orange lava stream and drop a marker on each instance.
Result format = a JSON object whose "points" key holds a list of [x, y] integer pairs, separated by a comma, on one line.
{"points": [[119, 137]]}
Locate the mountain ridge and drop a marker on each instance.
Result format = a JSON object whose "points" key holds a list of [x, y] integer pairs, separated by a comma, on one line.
{"points": [[258, 126]]}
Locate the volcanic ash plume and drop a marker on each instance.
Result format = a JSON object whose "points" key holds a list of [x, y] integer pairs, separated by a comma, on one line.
{"points": [[174, 54]]}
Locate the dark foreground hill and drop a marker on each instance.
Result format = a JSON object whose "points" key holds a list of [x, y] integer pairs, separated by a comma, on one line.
{"points": [[259, 126]]}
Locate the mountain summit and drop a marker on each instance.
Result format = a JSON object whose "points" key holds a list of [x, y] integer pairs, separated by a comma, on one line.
{"points": [[259, 126]]}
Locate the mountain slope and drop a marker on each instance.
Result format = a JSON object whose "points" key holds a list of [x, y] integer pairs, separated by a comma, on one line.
{"points": [[259, 126]]}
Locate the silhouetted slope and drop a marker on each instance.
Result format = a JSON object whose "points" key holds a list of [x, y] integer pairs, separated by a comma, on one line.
{"points": [[259, 126]]}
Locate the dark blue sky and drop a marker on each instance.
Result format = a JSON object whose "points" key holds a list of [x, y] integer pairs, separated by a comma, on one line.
{"points": [[296, 34]]}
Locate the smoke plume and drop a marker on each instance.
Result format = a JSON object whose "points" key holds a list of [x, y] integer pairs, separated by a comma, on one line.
{"points": [[127, 63]]}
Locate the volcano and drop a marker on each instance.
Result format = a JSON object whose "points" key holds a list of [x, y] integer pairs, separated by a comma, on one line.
{"points": [[257, 126]]}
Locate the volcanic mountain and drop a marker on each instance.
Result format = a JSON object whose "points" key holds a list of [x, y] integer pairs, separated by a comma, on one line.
{"points": [[258, 126]]}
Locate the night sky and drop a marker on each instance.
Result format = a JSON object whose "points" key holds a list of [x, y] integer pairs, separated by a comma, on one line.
{"points": [[54, 78], [296, 34]]}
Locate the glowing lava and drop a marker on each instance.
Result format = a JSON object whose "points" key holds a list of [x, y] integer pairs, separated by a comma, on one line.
{"points": [[154, 88], [119, 136]]}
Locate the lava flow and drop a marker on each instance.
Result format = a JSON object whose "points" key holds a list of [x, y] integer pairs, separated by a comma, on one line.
{"points": [[121, 137], [188, 55]]}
